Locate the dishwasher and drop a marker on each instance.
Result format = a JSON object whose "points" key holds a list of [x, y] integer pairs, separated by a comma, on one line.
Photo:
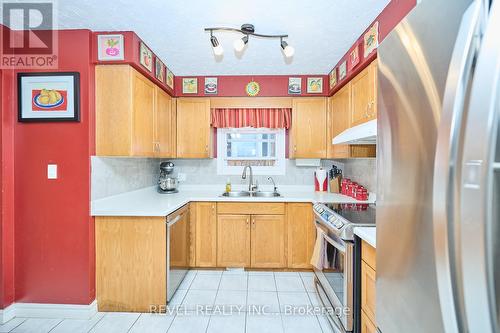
{"points": [[178, 247]]}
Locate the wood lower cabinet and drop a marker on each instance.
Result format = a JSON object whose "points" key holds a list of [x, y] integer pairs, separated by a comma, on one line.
{"points": [[267, 241], [204, 216], [193, 128], [308, 131], [130, 263], [134, 117], [301, 234], [366, 324], [368, 288], [233, 240]]}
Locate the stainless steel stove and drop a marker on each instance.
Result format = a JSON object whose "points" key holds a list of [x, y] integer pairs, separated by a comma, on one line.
{"points": [[335, 281]]}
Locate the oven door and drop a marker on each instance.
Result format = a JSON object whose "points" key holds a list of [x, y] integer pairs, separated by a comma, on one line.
{"points": [[337, 281]]}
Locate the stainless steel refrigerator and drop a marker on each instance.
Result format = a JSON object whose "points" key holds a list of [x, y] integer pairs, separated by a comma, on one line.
{"points": [[438, 165]]}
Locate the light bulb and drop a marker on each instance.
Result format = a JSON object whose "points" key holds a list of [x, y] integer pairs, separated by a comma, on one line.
{"points": [[239, 44], [289, 51], [218, 50]]}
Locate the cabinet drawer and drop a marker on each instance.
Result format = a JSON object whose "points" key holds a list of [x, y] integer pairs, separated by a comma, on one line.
{"points": [[368, 254], [367, 326], [250, 208], [368, 290]]}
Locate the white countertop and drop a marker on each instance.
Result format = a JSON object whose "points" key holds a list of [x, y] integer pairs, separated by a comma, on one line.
{"points": [[148, 202], [368, 234]]}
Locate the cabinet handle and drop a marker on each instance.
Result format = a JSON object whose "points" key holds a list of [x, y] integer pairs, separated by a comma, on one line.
{"points": [[253, 223], [294, 147], [206, 148], [248, 221]]}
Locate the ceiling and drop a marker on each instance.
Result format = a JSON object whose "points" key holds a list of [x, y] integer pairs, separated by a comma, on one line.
{"points": [[321, 31]]}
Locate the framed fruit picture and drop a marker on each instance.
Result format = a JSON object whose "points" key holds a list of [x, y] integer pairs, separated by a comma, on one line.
{"points": [[252, 88], [159, 70], [343, 70], [146, 57], [333, 78], [211, 86], [189, 85], [110, 47], [170, 79], [46, 97], [314, 85], [371, 39]]}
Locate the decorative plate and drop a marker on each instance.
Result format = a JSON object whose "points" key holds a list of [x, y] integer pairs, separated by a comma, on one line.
{"points": [[252, 88]]}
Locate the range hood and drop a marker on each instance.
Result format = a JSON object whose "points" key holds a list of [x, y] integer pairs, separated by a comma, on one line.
{"points": [[363, 134]]}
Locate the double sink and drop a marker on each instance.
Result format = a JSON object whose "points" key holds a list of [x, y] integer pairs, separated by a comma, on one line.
{"points": [[257, 194]]}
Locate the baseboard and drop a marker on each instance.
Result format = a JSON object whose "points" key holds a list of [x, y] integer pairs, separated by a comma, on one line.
{"points": [[7, 314], [39, 310]]}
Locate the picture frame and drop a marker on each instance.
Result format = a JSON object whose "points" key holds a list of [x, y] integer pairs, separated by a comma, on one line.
{"points": [[343, 70], [294, 85], [370, 40], [314, 85], [110, 48], [48, 96], [354, 57], [333, 78], [159, 70], [146, 57], [170, 79], [211, 87], [189, 85]]}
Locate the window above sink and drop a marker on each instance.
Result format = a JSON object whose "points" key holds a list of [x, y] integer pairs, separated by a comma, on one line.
{"points": [[262, 148]]}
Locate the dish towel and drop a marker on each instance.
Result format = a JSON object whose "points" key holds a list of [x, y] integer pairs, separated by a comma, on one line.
{"points": [[319, 254]]}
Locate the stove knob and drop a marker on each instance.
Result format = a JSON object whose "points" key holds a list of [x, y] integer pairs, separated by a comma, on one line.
{"points": [[320, 210], [339, 224], [331, 218]]}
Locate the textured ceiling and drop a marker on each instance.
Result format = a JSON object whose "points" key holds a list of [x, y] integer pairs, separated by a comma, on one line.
{"points": [[321, 31]]}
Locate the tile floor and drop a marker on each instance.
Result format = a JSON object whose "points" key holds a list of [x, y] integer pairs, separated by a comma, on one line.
{"points": [[239, 301]]}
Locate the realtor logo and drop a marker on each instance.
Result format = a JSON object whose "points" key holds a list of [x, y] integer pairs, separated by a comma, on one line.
{"points": [[28, 38]]}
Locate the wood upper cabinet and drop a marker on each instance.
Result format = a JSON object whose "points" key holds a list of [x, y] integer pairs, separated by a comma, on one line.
{"points": [[363, 92], [132, 114], [308, 132], [233, 240], [339, 108], [268, 241], [165, 124], [130, 263], [204, 215], [301, 234], [193, 128]]}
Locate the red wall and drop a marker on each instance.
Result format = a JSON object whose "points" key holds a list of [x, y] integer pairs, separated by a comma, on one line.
{"points": [[392, 14], [234, 85], [53, 230]]}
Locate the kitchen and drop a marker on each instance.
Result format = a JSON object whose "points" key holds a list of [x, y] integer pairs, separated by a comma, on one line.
{"points": [[268, 170]]}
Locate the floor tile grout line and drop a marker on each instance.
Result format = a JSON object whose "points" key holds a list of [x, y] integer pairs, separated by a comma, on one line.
{"points": [[135, 321], [17, 324], [97, 322], [59, 323]]}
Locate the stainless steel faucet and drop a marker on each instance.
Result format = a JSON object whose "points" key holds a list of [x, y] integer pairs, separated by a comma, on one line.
{"points": [[251, 186], [274, 184]]}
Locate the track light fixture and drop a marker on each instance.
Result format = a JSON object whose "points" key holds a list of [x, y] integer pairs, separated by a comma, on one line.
{"points": [[247, 30], [217, 48]]}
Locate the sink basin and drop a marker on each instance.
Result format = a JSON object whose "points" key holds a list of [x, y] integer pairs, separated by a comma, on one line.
{"points": [[266, 194], [233, 194], [261, 194]]}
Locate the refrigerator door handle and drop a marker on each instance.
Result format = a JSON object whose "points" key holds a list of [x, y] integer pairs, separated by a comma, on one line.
{"points": [[445, 197], [481, 187]]}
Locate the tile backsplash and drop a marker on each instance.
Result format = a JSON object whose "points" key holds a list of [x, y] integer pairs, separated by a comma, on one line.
{"points": [[112, 175]]}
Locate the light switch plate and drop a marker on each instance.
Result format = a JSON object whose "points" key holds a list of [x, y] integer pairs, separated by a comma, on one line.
{"points": [[52, 171]]}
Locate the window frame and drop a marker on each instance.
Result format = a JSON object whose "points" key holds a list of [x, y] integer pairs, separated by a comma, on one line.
{"points": [[277, 169]]}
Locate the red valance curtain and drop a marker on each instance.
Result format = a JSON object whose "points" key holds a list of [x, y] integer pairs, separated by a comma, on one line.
{"points": [[268, 118]]}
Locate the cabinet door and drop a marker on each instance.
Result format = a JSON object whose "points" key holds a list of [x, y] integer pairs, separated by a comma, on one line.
{"points": [[164, 124], [301, 234], [372, 108], [205, 217], [268, 234], [361, 92], [143, 95], [233, 240], [340, 111], [193, 128], [308, 133], [368, 290], [131, 261], [366, 325]]}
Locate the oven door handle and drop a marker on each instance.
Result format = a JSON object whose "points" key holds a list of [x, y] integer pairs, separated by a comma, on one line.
{"points": [[336, 244], [332, 319]]}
